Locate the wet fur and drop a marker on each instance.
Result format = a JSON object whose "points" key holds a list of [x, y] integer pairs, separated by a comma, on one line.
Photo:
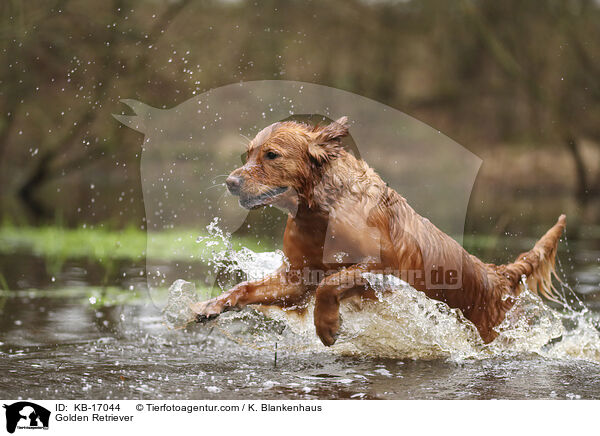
{"points": [[325, 182]]}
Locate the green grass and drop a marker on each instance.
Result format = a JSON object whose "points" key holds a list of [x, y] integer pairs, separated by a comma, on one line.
{"points": [[101, 244], [92, 296]]}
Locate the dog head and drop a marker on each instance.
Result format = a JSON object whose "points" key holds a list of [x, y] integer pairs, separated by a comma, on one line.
{"points": [[283, 158]]}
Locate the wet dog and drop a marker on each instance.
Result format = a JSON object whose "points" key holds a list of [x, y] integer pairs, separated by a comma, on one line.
{"points": [[344, 221]]}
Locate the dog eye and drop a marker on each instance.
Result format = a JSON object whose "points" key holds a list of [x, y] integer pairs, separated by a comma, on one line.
{"points": [[271, 155]]}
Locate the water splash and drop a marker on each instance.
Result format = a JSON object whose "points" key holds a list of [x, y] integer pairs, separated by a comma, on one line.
{"points": [[177, 313], [581, 341], [224, 257], [402, 323]]}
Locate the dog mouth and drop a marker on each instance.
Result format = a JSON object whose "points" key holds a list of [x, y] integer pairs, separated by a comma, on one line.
{"points": [[263, 199]]}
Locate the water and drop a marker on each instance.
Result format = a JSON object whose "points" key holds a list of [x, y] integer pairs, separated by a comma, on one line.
{"points": [[80, 339], [69, 352]]}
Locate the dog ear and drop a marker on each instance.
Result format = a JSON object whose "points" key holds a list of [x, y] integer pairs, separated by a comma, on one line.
{"points": [[327, 145], [335, 130]]}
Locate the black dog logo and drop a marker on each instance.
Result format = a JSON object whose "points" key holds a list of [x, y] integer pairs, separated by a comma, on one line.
{"points": [[26, 415]]}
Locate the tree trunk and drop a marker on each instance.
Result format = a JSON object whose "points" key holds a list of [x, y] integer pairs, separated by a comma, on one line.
{"points": [[582, 189], [28, 189]]}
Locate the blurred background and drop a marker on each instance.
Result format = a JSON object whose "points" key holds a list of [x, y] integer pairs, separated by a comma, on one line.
{"points": [[516, 83]]}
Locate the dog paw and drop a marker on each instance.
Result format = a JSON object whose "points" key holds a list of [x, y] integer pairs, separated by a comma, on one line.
{"points": [[328, 331], [201, 318], [207, 310]]}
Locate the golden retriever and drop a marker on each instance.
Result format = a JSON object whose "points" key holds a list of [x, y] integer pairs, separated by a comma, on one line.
{"points": [[336, 200]]}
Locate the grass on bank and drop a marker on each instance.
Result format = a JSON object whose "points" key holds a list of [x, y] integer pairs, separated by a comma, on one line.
{"points": [[100, 244]]}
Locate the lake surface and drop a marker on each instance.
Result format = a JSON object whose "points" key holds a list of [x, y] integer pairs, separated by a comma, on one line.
{"points": [[88, 333]]}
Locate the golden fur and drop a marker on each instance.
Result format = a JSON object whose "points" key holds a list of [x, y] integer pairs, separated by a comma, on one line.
{"points": [[305, 170]]}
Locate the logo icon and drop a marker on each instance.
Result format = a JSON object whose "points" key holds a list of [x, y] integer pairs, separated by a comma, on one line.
{"points": [[189, 150], [26, 415]]}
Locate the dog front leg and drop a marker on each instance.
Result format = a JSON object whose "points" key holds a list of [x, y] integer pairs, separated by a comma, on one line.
{"points": [[276, 289], [331, 291]]}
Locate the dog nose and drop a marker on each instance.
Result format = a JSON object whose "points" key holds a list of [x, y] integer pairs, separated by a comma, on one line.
{"points": [[233, 184]]}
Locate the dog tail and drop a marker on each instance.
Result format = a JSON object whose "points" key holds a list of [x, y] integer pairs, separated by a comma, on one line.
{"points": [[537, 265]]}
